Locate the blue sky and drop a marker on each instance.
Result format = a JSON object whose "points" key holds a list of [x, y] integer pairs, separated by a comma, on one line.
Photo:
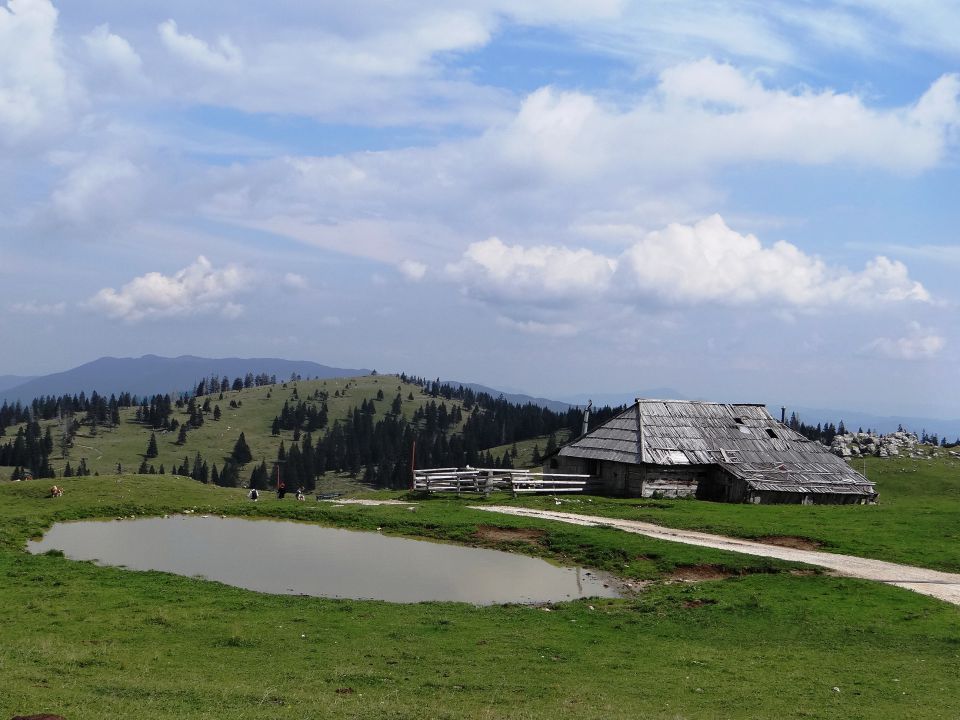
{"points": [[743, 201]]}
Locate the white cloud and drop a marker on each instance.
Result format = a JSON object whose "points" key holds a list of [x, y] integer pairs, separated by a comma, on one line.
{"points": [[706, 115], [98, 188], [112, 54], [536, 327], [224, 57], [567, 161], [682, 265], [492, 268], [295, 281], [920, 343], [198, 288], [412, 270], [709, 262], [32, 307], [35, 91]]}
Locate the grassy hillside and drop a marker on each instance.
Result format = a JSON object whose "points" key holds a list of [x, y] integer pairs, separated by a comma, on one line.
{"points": [[90, 642], [214, 440]]}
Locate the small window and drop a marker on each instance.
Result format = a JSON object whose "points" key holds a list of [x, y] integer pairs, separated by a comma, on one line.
{"points": [[771, 433], [738, 421]]}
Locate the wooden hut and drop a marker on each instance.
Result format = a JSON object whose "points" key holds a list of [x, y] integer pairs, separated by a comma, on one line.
{"points": [[710, 451]]}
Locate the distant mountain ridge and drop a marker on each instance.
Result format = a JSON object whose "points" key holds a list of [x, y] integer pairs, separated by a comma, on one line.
{"points": [[515, 398], [152, 374], [853, 421], [9, 381]]}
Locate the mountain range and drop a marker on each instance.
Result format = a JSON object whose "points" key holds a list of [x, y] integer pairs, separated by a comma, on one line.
{"points": [[154, 374]]}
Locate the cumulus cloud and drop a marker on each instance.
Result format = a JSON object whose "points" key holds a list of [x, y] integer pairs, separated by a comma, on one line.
{"points": [[412, 270], [35, 90], [710, 262], [568, 161], [543, 271], [224, 57], [705, 115], [707, 262], [920, 343], [196, 289]]}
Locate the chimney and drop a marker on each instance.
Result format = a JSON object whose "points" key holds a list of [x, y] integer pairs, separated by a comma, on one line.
{"points": [[586, 418], [783, 414]]}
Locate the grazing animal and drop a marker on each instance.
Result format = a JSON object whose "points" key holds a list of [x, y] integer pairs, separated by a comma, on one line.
{"points": [[56, 491]]}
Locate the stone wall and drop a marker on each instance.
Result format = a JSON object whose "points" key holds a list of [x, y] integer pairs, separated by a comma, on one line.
{"points": [[860, 444]]}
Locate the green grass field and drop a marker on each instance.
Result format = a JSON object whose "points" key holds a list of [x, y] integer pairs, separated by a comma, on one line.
{"points": [[769, 641], [916, 522]]}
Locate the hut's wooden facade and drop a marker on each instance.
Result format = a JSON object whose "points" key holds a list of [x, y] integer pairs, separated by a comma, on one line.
{"points": [[711, 451]]}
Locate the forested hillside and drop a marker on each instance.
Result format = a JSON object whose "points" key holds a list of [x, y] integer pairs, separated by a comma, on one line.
{"points": [[248, 430]]}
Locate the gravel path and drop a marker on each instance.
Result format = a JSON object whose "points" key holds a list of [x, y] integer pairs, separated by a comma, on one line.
{"points": [[942, 585]]}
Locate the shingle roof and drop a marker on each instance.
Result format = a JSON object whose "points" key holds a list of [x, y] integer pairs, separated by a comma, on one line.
{"points": [[744, 438]]}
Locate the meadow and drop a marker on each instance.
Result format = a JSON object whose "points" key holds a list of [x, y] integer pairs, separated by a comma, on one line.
{"points": [[916, 521], [767, 640]]}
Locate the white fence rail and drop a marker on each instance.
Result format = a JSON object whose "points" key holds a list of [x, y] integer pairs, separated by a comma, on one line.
{"points": [[486, 480]]}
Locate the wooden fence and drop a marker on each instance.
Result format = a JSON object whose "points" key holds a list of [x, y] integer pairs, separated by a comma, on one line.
{"points": [[486, 480]]}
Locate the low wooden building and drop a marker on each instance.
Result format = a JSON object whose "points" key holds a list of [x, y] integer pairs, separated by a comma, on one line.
{"points": [[710, 451]]}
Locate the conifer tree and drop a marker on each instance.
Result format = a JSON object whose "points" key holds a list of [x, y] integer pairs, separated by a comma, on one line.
{"points": [[241, 451], [152, 451]]}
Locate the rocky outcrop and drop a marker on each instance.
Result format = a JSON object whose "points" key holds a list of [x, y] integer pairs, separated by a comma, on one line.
{"points": [[861, 444]]}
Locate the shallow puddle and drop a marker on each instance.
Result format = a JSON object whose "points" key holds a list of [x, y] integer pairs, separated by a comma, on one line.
{"points": [[300, 559]]}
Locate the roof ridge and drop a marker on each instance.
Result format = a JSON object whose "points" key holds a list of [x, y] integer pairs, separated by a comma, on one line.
{"points": [[698, 402]]}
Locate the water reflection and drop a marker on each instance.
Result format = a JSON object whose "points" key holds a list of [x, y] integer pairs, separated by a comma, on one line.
{"points": [[297, 558]]}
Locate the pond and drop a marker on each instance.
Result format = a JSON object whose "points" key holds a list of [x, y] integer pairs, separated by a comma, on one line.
{"points": [[301, 559]]}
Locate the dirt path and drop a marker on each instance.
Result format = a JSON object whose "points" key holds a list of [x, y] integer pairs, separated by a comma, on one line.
{"points": [[942, 585]]}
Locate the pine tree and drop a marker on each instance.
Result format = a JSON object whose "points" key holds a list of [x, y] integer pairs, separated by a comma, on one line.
{"points": [[182, 437], [535, 459], [216, 412], [241, 451], [152, 451], [551, 445]]}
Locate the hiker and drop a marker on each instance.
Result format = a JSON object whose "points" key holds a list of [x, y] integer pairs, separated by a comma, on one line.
{"points": [[281, 490], [254, 495]]}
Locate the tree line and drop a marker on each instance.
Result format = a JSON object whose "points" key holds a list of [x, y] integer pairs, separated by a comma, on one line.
{"points": [[381, 451]]}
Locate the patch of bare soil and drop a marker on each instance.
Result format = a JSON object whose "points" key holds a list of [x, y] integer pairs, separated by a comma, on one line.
{"points": [[494, 534], [699, 602], [699, 573], [790, 541]]}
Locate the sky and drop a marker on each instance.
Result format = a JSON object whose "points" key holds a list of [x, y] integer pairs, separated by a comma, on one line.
{"points": [[743, 201]]}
